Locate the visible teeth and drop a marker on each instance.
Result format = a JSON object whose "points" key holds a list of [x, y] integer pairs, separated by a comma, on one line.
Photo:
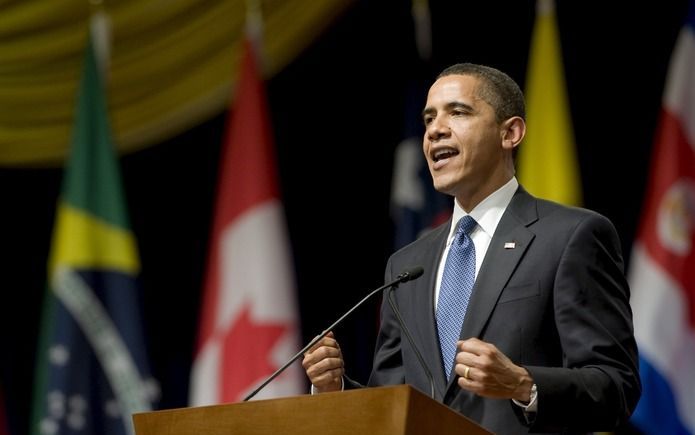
{"points": [[444, 154]]}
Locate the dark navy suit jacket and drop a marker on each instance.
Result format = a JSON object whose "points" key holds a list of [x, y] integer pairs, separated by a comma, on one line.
{"points": [[556, 303]]}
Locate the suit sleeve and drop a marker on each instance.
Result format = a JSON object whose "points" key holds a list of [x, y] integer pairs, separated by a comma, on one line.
{"points": [[598, 385], [387, 367]]}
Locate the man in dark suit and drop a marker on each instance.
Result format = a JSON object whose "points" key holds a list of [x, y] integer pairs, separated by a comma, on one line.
{"points": [[545, 339]]}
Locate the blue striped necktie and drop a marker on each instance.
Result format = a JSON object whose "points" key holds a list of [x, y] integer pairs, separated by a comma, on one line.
{"points": [[455, 290]]}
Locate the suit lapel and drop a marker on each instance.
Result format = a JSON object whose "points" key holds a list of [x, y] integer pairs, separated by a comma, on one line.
{"points": [[499, 262], [425, 332]]}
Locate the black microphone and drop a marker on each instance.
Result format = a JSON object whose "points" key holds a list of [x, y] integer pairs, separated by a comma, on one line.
{"points": [[416, 273], [409, 275], [405, 276]]}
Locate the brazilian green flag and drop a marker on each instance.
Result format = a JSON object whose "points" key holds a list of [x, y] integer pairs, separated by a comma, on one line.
{"points": [[91, 372]]}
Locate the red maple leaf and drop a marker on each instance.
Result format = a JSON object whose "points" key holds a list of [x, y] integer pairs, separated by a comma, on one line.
{"points": [[246, 349]]}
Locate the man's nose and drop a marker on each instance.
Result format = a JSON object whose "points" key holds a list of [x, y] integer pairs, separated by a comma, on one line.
{"points": [[437, 128]]}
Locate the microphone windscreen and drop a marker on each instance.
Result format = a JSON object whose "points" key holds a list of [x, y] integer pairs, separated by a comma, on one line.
{"points": [[412, 273]]}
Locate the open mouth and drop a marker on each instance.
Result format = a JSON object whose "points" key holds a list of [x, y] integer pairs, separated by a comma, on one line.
{"points": [[444, 153]]}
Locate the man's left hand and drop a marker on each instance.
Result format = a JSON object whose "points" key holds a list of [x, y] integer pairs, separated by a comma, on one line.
{"points": [[484, 370]]}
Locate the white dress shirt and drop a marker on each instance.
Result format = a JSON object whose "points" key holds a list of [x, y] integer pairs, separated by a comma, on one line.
{"points": [[488, 214]]}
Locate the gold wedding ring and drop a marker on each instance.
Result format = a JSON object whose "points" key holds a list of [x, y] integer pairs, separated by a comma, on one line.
{"points": [[465, 372]]}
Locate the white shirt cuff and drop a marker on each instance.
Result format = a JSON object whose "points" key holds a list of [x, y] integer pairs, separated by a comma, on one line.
{"points": [[342, 386], [532, 406]]}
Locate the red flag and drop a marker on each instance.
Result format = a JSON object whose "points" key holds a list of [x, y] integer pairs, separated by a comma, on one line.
{"points": [[249, 319], [662, 267]]}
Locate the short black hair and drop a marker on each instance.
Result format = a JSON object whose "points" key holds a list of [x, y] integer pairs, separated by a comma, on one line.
{"points": [[497, 89]]}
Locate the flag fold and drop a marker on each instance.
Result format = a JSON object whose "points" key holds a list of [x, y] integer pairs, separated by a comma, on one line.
{"points": [[92, 371], [249, 320], [662, 269], [547, 164]]}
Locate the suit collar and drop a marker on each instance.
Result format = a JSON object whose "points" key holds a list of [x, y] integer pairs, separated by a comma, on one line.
{"points": [[489, 212]]}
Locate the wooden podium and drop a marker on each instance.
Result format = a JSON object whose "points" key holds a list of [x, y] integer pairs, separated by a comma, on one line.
{"points": [[399, 410]]}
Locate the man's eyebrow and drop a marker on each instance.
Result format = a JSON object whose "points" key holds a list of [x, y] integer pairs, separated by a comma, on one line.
{"points": [[448, 106], [459, 105]]}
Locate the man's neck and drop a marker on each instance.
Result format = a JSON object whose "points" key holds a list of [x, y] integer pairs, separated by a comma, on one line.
{"points": [[469, 200]]}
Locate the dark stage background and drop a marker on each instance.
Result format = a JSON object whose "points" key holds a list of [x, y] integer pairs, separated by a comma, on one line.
{"points": [[338, 113]]}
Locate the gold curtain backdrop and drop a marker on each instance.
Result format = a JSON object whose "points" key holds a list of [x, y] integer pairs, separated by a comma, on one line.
{"points": [[173, 63]]}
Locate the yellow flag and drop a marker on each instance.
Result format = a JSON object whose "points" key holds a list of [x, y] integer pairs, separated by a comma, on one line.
{"points": [[547, 158]]}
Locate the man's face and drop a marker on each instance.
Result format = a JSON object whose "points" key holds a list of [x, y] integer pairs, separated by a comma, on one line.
{"points": [[462, 141]]}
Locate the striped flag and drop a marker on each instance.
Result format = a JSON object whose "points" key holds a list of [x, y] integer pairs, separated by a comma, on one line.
{"points": [[92, 372], [547, 164], [249, 322], [662, 269]]}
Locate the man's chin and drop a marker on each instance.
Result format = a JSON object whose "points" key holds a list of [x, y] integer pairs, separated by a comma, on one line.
{"points": [[444, 186]]}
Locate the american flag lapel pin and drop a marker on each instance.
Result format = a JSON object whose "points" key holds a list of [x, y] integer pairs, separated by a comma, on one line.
{"points": [[509, 245]]}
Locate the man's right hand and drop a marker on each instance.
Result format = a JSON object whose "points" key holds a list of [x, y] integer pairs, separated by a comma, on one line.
{"points": [[324, 365]]}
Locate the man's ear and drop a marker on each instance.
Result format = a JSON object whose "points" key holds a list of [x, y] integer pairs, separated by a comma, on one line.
{"points": [[513, 131]]}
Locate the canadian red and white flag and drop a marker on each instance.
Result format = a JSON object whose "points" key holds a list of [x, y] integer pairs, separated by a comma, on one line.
{"points": [[249, 320]]}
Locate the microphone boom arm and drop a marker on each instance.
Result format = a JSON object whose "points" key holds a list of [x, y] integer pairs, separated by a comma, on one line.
{"points": [[403, 277], [421, 360]]}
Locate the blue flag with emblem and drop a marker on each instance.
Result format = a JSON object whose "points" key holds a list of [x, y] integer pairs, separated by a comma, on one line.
{"points": [[416, 206], [91, 370]]}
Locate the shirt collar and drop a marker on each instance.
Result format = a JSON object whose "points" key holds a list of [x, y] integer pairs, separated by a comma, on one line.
{"points": [[488, 212]]}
